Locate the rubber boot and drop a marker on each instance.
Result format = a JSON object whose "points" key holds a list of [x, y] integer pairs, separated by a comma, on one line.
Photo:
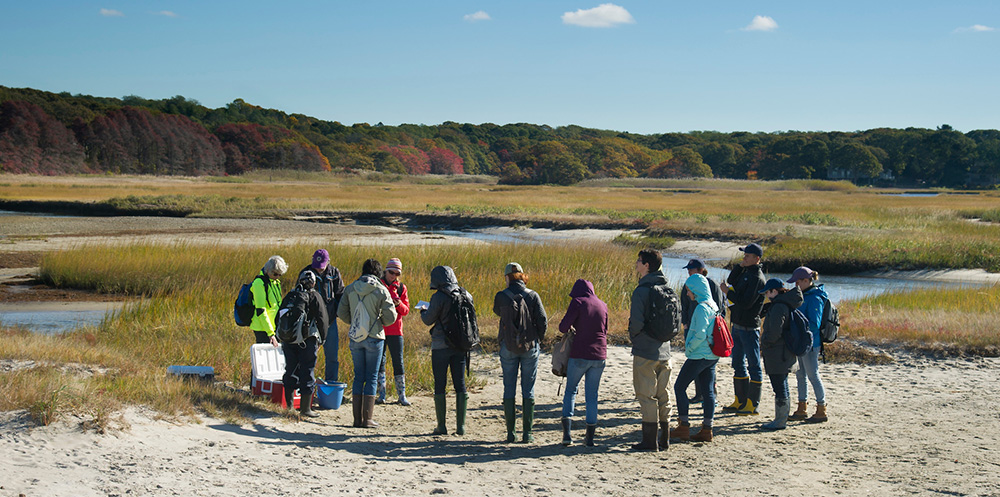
{"points": [[461, 407], [800, 413], [356, 404], [509, 416], [368, 412], [381, 389], [567, 440], [682, 432], [703, 435], [753, 400], [401, 389], [781, 407], [305, 406], [588, 439], [648, 438], [820, 415], [527, 420], [289, 398], [440, 409], [740, 389], [664, 435]]}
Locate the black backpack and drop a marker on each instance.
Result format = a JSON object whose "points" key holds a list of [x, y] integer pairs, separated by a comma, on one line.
{"points": [[518, 327], [461, 329], [663, 313], [829, 324], [798, 337], [243, 308], [292, 327]]}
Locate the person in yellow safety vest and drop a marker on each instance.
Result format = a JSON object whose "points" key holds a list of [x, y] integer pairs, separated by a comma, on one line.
{"points": [[266, 295]]}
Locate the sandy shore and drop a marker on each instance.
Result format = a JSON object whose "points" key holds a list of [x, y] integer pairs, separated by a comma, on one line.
{"points": [[916, 427]]}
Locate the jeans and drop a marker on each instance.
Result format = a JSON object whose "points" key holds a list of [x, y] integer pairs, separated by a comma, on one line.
{"points": [[746, 353], [527, 363], [441, 360], [300, 366], [394, 347], [651, 379], [702, 373], [366, 355], [331, 352], [809, 367], [779, 383], [576, 370]]}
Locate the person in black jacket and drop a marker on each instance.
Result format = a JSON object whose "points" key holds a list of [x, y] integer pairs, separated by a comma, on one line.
{"points": [[331, 287], [514, 355], [300, 359], [745, 282]]}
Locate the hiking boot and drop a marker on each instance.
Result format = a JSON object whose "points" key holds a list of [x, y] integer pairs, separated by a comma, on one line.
{"points": [[664, 435], [440, 409], [356, 405], [682, 432], [305, 406], [588, 439], [381, 389], [461, 406], [703, 435], [567, 423], [368, 412], [800, 413], [740, 386], [527, 420], [780, 416], [648, 438], [752, 400], [820, 415], [509, 410], [401, 389]]}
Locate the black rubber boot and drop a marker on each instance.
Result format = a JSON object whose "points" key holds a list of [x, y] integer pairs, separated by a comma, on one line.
{"points": [[528, 420], [588, 439], [510, 417], [440, 410], [305, 406], [740, 386], [461, 407], [664, 435], [356, 405], [648, 438], [289, 398], [567, 423]]}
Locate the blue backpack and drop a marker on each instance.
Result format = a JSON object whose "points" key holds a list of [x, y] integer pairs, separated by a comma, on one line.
{"points": [[798, 338], [243, 308]]}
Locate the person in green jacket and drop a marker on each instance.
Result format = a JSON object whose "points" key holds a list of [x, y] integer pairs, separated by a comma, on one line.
{"points": [[266, 295]]}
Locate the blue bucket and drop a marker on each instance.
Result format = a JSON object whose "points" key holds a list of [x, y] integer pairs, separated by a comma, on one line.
{"points": [[331, 394]]}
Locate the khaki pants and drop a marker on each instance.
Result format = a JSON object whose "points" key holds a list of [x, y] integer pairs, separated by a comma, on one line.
{"points": [[651, 380]]}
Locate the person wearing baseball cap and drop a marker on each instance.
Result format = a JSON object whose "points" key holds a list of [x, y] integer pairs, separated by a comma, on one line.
{"points": [[814, 301], [331, 287], [520, 337], [778, 360], [745, 282]]}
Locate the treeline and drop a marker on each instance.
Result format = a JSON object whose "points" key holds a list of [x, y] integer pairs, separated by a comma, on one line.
{"points": [[49, 133]]}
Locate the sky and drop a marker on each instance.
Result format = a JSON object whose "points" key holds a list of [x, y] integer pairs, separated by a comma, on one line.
{"points": [[651, 66]]}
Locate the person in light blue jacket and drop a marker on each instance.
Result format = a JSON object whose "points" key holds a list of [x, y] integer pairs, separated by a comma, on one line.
{"points": [[814, 298], [700, 364]]}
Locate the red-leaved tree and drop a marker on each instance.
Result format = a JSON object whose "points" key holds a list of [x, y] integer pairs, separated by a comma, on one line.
{"points": [[413, 159], [444, 161], [33, 142]]}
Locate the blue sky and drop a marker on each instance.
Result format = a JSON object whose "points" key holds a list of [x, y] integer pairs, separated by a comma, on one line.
{"points": [[637, 66]]}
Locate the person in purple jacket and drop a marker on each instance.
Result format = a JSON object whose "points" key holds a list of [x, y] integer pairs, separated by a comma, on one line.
{"points": [[588, 315]]}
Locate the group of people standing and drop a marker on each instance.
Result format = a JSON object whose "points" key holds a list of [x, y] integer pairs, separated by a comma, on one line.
{"points": [[373, 307]]}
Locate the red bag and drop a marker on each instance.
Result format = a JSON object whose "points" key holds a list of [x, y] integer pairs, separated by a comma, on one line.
{"points": [[722, 339]]}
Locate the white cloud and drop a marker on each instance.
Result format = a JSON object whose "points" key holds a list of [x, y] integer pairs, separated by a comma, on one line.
{"points": [[976, 28], [761, 23], [603, 16], [478, 16], [166, 13], [112, 13]]}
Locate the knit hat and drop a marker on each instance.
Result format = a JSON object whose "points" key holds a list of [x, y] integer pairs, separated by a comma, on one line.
{"points": [[394, 264], [320, 259]]}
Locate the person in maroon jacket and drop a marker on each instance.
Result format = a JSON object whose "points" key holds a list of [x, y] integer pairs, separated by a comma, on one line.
{"points": [[588, 315], [394, 332]]}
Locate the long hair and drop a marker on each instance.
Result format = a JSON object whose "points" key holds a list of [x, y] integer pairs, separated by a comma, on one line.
{"points": [[517, 277]]}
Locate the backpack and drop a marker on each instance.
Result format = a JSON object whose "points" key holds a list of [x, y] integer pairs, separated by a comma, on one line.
{"points": [[461, 330], [663, 313], [798, 338], [518, 329], [243, 308], [829, 324], [360, 322], [722, 339], [291, 326]]}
